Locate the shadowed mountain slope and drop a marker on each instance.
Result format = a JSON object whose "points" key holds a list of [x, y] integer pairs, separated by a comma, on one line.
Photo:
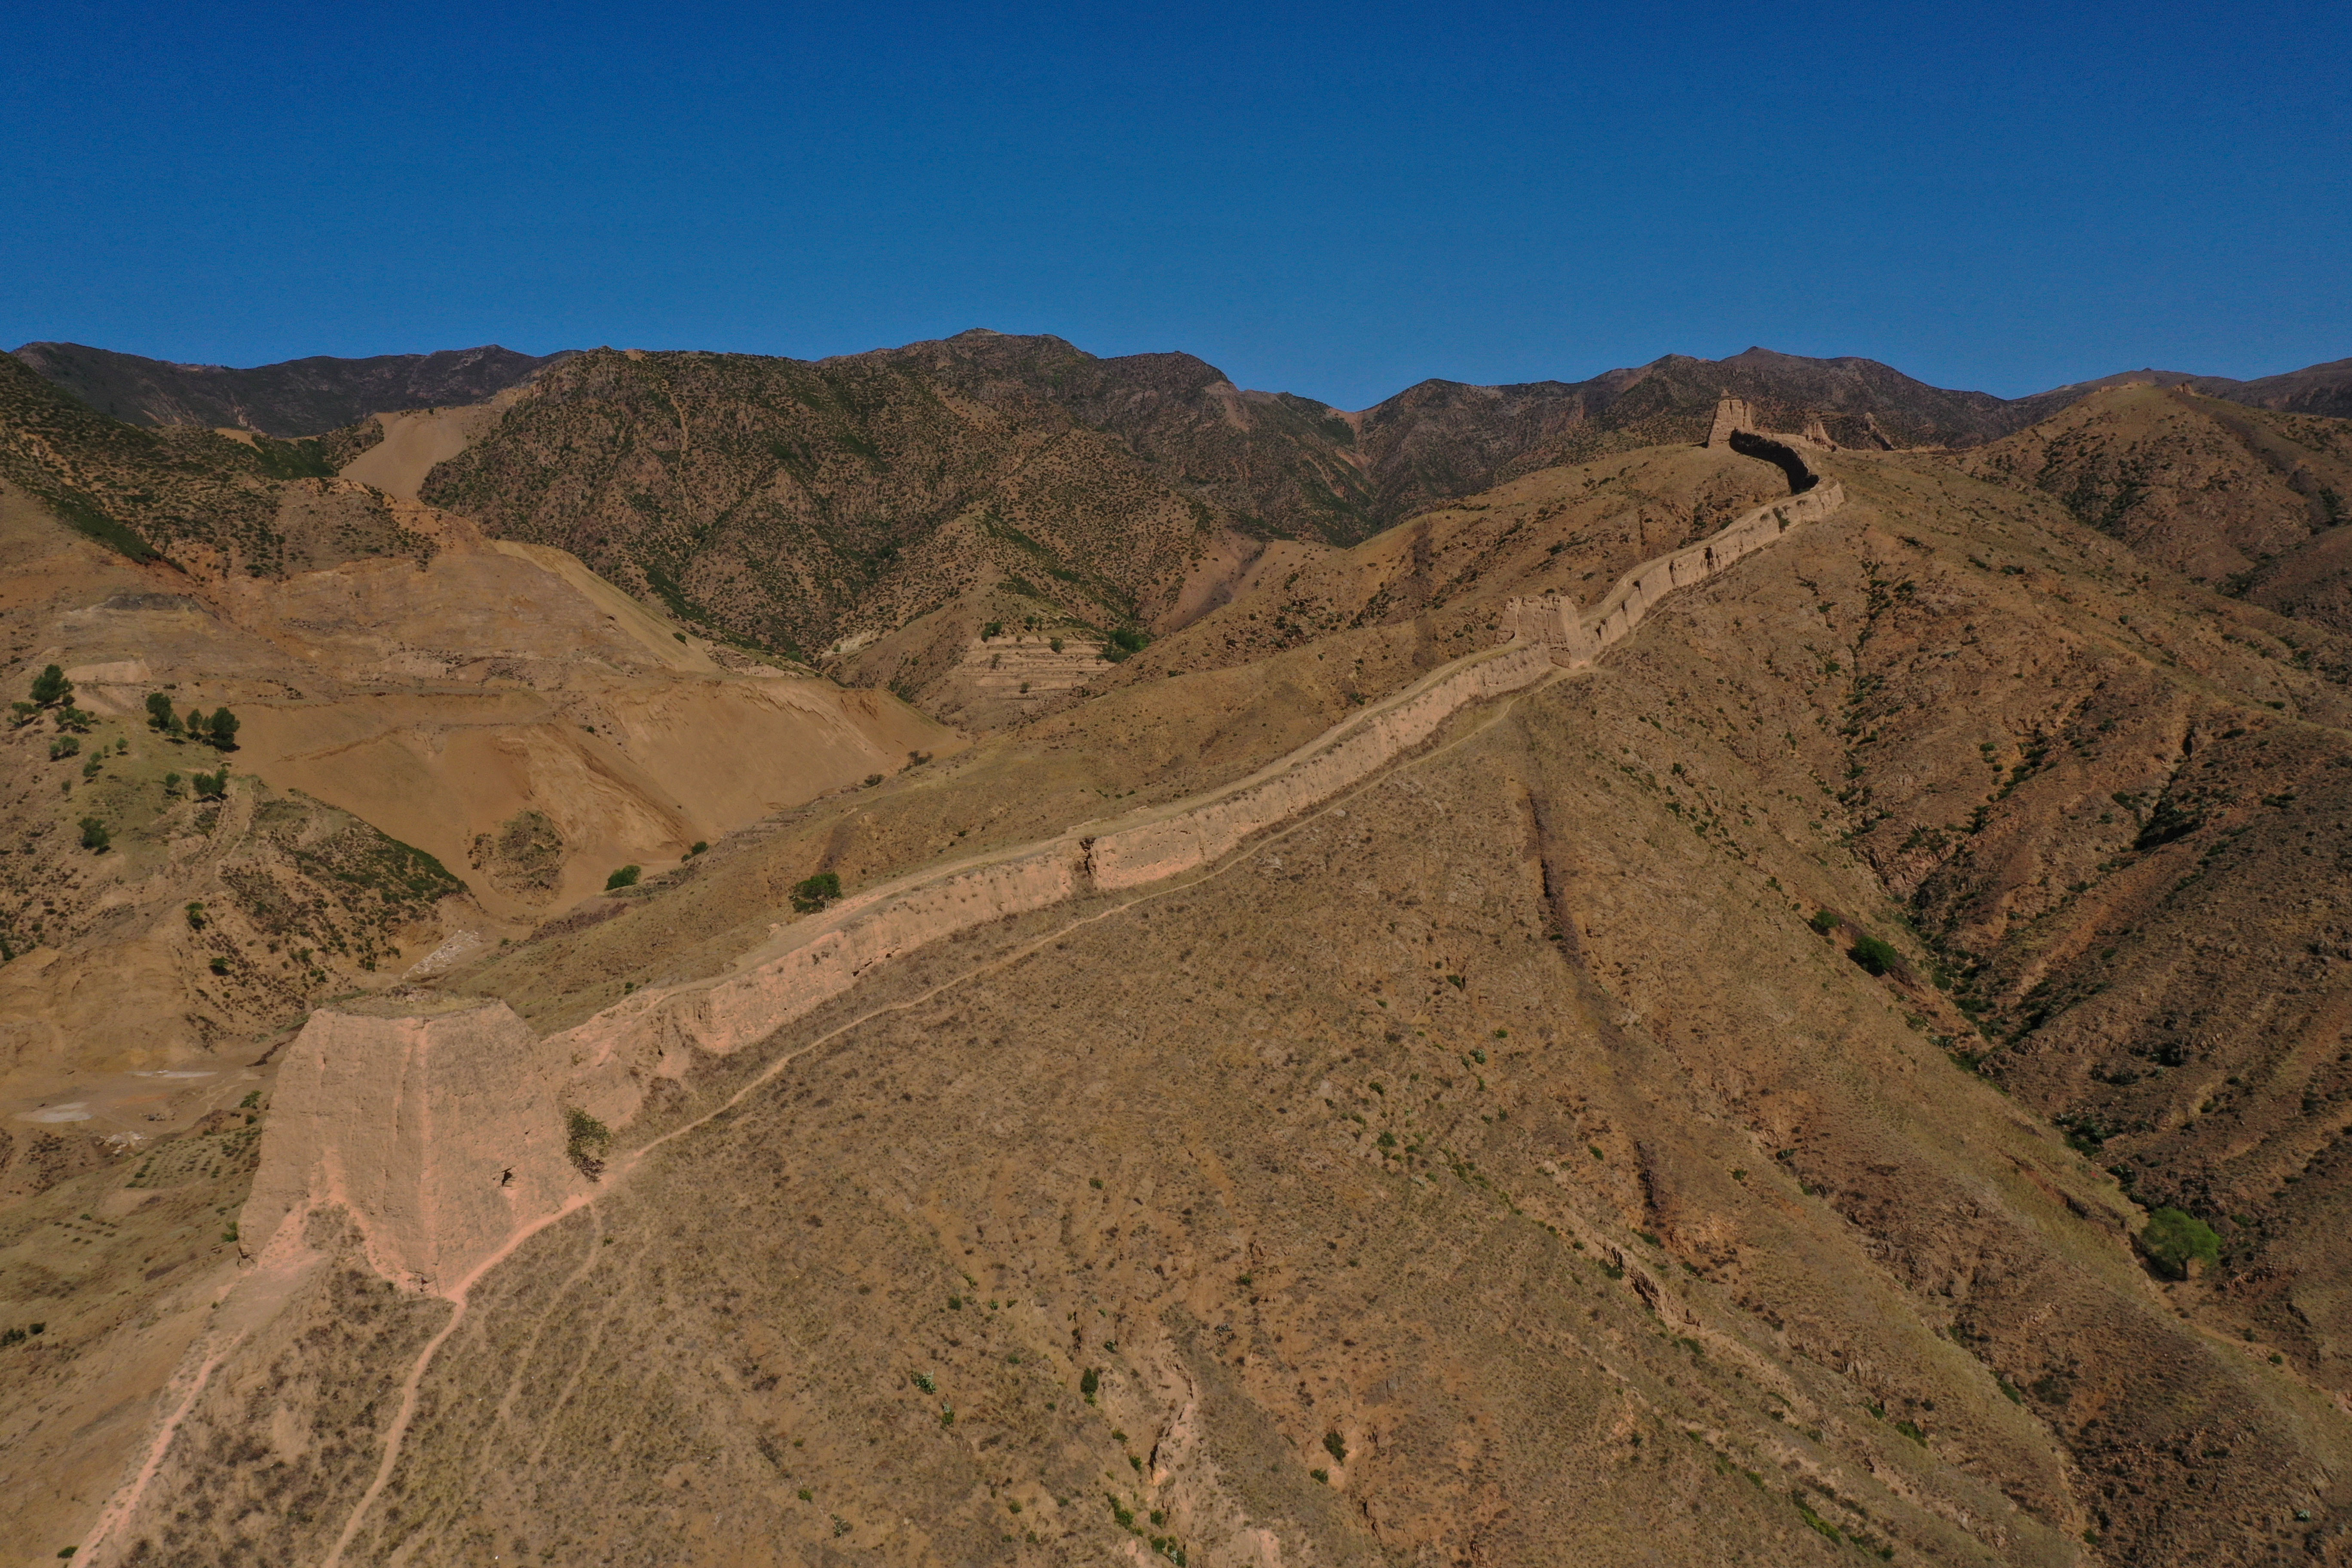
{"points": [[801, 504], [294, 397], [919, 494]]}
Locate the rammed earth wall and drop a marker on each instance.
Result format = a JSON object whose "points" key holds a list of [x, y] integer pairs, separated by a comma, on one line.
{"points": [[444, 1135], [811, 961]]}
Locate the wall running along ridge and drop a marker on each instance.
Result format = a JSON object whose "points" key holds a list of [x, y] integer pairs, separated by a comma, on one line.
{"points": [[412, 1122], [442, 1135]]}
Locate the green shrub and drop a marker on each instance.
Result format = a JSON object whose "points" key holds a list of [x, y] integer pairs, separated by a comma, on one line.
{"points": [[813, 893], [992, 631], [585, 1140], [1875, 956], [2174, 1240], [51, 686], [195, 917], [1336, 1446], [222, 730], [626, 877], [1824, 922], [1088, 1382], [160, 715], [94, 836], [699, 845], [64, 746]]}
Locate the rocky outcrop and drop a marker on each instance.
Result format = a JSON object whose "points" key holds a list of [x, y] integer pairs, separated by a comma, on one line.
{"points": [[440, 1135]]}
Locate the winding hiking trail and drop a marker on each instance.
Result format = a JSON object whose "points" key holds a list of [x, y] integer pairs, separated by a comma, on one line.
{"points": [[1148, 856]]}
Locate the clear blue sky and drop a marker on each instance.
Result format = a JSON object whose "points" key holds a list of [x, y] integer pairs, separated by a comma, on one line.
{"points": [[1335, 200]]}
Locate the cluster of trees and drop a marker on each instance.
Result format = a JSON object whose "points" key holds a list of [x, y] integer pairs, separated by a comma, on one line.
{"points": [[207, 786], [216, 729], [52, 693]]}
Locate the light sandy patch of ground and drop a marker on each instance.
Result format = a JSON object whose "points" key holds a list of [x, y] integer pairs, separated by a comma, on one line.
{"points": [[414, 442]]}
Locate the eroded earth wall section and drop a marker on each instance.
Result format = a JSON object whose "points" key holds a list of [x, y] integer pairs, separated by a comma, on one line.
{"points": [[439, 1135], [443, 1135], [810, 962]]}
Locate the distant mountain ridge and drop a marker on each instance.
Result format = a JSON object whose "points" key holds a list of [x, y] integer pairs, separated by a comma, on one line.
{"points": [[881, 509], [2314, 389], [294, 397]]}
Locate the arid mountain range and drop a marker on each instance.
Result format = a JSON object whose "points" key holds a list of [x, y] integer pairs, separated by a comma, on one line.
{"points": [[907, 497], [977, 954], [296, 397]]}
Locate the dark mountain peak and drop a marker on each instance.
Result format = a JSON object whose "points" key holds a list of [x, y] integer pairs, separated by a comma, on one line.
{"points": [[294, 397]]}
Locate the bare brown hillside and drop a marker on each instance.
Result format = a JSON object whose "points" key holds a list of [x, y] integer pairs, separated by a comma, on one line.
{"points": [[2250, 499], [1699, 1108]]}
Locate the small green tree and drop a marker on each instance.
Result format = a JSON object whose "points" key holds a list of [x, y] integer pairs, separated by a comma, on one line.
{"points": [[626, 877], [51, 686], [223, 730], [64, 746], [2179, 1243], [196, 723], [172, 785], [212, 787], [94, 836], [160, 716], [585, 1142], [195, 917], [1875, 956], [811, 894]]}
